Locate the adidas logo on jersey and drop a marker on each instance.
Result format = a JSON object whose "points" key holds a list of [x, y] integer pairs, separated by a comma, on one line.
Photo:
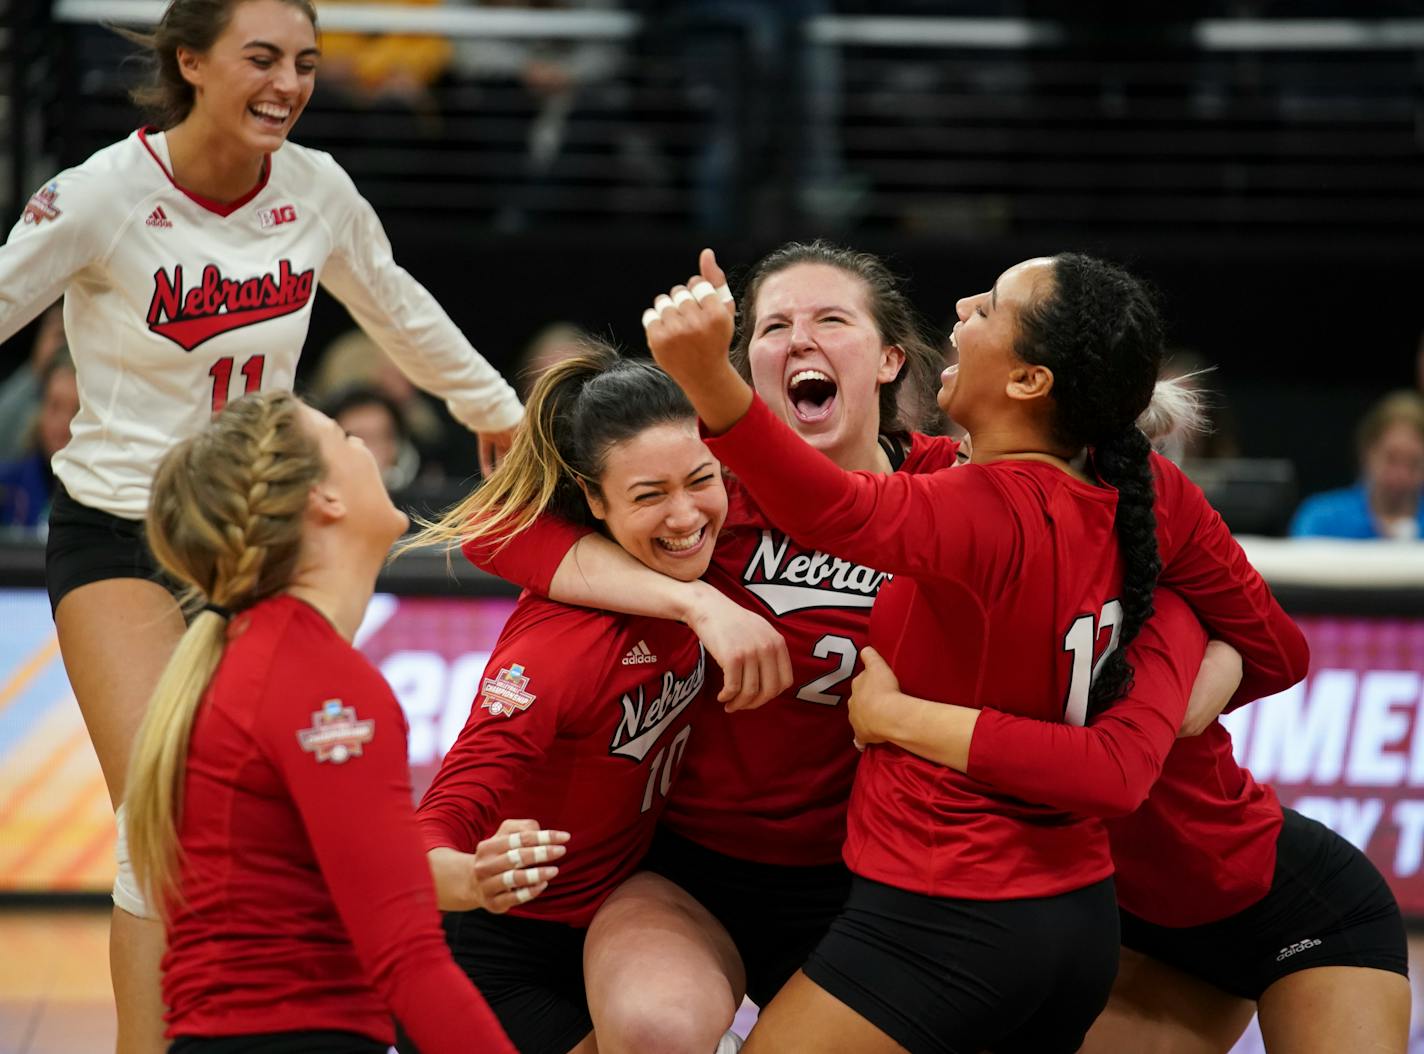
{"points": [[1298, 946], [808, 579], [159, 218], [639, 655], [644, 720]]}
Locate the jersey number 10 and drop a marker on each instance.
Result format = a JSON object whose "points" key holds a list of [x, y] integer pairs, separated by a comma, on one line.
{"points": [[221, 373], [1079, 641]]}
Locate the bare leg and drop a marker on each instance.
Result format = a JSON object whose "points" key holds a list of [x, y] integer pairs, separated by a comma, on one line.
{"points": [[115, 637], [804, 1017], [1156, 1009], [1335, 1008], [661, 973]]}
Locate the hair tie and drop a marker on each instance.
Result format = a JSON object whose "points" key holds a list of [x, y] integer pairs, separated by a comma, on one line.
{"points": [[224, 613]]}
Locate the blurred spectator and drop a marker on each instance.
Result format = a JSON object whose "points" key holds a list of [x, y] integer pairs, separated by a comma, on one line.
{"points": [[355, 360], [551, 345], [552, 76], [20, 394], [371, 415], [1386, 502], [390, 67], [1216, 438], [27, 484]]}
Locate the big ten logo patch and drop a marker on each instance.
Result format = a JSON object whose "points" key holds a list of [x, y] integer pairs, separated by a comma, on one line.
{"points": [[436, 694], [277, 217]]}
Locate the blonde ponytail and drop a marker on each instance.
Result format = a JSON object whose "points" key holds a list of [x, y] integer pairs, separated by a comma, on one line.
{"points": [[1177, 409], [577, 410], [225, 519]]}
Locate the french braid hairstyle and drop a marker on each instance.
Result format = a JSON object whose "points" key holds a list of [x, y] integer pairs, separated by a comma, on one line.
{"points": [[895, 320], [577, 411], [193, 24], [225, 520], [1099, 330]]}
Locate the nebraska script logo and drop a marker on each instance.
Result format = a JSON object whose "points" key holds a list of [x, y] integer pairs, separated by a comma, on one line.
{"points": [[217, 304], [809, 579]]}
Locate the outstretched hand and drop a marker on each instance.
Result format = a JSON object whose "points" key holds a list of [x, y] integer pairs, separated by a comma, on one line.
{"points": [[690, 330]]}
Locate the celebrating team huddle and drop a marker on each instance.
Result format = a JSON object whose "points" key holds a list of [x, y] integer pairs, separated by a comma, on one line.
{"points": [[912, 740]]}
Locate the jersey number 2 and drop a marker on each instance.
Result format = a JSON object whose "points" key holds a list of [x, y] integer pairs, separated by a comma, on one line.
{"points": [[221, 373], [820, 690], [1080, 640]]}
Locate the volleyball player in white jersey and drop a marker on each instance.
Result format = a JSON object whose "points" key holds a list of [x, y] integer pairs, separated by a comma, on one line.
{"points": [[188, 255]]}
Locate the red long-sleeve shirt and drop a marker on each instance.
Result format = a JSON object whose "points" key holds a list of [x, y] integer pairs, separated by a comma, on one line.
{"points": [[1203, 845], [1106, 767], [772, 784], [305, 902], [1000, 565], [581, 722]]}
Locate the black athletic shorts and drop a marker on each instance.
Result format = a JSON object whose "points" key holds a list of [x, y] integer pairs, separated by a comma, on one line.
{"points": [[530, 971], [944, 975], [1327, 906], [280, 1043], [86, 545], [775, 915]]}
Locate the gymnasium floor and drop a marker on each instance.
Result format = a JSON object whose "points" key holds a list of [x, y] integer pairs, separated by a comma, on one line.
{"points": [[54, 984]]}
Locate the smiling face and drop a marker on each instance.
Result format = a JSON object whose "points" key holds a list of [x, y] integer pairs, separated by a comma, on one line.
{"points": [[256, 79], [663, 499], [353, 477], [817, 358], [984, 337]]}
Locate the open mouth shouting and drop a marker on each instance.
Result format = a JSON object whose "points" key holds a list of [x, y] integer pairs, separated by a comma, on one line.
{"points": [[682, 544], [812, 395]]}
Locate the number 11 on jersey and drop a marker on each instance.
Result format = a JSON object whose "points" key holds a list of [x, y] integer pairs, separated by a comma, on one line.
{"points": [[221, 373]]}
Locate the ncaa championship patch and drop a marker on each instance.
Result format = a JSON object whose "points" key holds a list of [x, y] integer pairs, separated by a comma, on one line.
{"points": [[336, 734], [505, 692], [41, 205]]}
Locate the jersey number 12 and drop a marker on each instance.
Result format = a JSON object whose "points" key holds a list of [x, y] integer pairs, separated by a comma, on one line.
{"points": [[1079, 641]]}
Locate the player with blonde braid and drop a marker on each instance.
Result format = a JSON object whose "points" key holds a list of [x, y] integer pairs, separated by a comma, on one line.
{"points": [[269, 803]]}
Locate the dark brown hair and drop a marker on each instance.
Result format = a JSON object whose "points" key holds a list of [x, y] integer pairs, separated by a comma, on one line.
{"points": [[895, 321], [194, 24]]}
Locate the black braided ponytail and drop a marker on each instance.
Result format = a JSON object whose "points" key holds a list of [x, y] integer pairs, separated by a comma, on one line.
{"points": [[1100, 332]]}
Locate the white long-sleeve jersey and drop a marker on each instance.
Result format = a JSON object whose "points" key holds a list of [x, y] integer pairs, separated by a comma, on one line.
{"points": [[174, 304]]}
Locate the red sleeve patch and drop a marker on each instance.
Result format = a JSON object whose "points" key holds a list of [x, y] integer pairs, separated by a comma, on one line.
{"points": [[336, 734], [505, 692]]}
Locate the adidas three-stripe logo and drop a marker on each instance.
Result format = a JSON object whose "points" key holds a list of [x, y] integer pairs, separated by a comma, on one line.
{"points": [[639, 655], [159, 218]]}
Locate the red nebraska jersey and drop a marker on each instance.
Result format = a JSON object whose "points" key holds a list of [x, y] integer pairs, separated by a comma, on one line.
{"points": [[773, 784], [174, 304], [1005, 598], [1108, 766], [305, 902], [581, 723], [1203, 846]]}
